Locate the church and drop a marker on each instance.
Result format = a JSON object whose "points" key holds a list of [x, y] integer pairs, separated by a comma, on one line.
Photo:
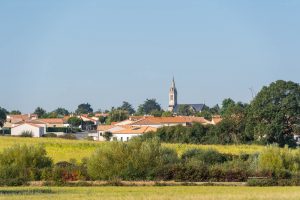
{"points": [[174, 106]]}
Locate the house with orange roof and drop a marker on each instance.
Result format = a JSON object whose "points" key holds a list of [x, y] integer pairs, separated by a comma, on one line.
{"points": [[54, 122], [158, 122], [216, 119], [20, 118], [35, 129], [120, 133], [130, 132]]}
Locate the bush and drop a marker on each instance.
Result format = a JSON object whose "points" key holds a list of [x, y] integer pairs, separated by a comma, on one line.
{"points": [[68, 136], [208, 157], [134, 160], [280, 162], [24, 163], [262, 182], [26, 134], [190, 172], [50, 135], [13, 182]]}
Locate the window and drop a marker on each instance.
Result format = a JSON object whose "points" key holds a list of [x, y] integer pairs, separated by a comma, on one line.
{"points": [[171, 97]]}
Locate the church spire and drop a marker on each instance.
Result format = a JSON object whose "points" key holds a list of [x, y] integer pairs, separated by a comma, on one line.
{"points": [[172, 96], [173, 83]]}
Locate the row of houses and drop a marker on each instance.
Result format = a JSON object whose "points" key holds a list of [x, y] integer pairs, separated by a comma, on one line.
{"points": [[121, 131], [19, 124], [139, 125]]}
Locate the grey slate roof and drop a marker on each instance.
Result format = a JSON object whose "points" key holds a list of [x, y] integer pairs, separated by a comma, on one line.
{"points": [[196, 107]]}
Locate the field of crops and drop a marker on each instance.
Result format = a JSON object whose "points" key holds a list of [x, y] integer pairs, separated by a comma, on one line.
{"points": [[149, 193], [64, 150]]}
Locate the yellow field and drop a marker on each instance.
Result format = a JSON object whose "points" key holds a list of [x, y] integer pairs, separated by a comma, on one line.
{"points": [[151, 193], [64, 150]]}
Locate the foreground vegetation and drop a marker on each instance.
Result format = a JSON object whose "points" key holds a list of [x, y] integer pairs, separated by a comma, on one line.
{"points": [[157, 193], [140, 160], [64, 150]]}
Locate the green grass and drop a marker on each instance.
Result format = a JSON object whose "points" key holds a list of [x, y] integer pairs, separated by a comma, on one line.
{"points": [[149, 193], [64, 150]]}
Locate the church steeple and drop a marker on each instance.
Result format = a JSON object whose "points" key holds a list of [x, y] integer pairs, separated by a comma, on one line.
{"points": [[172, 96]]}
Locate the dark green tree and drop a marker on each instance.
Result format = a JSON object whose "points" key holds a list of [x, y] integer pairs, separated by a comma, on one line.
{"points": [[74, 121], [186, 110], [61, 111], [84, 108], [15, 112], [40, 112], [107, 135], [274, 112], [148, 106], [167, 114], [127, 107], [117, 115], [226, 104], [2, 116]]}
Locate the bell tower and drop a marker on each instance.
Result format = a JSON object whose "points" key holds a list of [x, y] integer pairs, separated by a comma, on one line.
{"points": [[172, 96]]}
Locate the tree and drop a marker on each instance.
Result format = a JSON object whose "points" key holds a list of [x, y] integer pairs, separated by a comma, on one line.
{"points": [[74, 121], [148, 106], [2, 116], [40, 112], [215, 110], [61, 111], [274, 112], [102, 119], [167, 114], [185, 110], [127, 107], [226, 104], [84, 108], [206, 114], [156, 113], [107, 135], [15, 112], [117, 115]]}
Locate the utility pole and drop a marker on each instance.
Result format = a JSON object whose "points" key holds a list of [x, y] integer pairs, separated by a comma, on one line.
{"points": [[252, 92]]}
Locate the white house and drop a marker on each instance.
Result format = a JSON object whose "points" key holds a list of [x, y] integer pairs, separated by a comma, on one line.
{"points": [[120, 133], [35, 129], [130, 132]]}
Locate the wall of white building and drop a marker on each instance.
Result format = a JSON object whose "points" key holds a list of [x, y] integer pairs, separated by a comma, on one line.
{"points": [[36, 131], [124, 137]]}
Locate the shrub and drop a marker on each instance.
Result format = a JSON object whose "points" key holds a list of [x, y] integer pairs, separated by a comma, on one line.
{"points": [[65, 171], [191, 172], [107, 135], [205, 156], [26, 134], [134, 160], [23, 163], [50, 135], [262, 182], [68, 136], [281, 162], [58, 129]]}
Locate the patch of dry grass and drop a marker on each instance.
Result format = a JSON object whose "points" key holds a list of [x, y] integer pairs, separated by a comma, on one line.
{"points": [[154, 193]]}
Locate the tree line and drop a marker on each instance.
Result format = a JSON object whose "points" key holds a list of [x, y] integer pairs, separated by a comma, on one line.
{"points": [[273, 116]]}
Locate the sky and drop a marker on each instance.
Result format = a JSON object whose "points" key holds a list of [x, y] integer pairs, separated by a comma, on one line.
{"points": [[61, 53]]}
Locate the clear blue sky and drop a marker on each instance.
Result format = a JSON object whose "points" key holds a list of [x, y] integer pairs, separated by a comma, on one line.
{"points": [[62, 53]]}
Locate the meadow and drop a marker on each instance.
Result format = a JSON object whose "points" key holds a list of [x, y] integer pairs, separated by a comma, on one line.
{"points": [[149, 193], [64, 150]]}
